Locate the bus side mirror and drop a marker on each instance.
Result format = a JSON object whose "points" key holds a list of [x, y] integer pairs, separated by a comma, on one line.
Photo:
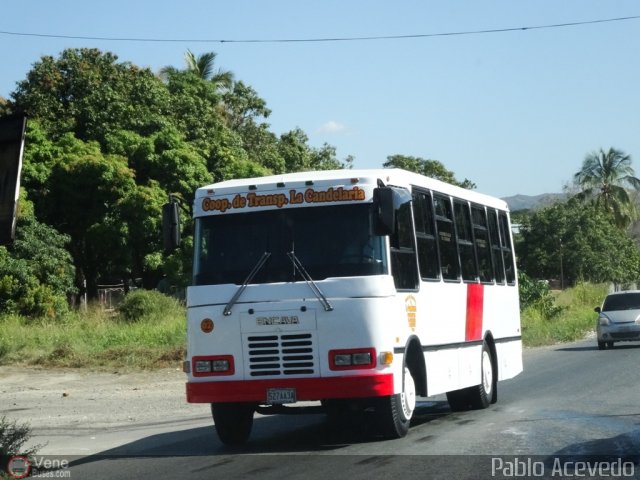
{"points": [[170, 226], [384, 211]]}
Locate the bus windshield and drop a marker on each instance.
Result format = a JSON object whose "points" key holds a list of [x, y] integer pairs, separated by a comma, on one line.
{"points": [[329, 241]]}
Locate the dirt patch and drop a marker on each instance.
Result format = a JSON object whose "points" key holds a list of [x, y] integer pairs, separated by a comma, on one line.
{"points": [[69, 398]]}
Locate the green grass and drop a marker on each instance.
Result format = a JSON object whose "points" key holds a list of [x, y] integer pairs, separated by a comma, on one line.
{"points": [[96, 339], [576, 319]]}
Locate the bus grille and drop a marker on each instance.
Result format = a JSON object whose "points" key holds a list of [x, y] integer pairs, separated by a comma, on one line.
{"points": [[285, 354]]}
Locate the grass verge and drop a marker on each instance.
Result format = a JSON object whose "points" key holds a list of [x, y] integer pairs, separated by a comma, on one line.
{"points": [[574, 320], [97, 339]]}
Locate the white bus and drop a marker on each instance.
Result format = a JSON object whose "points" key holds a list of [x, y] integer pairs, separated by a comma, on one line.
{"points": [[361, 289]]}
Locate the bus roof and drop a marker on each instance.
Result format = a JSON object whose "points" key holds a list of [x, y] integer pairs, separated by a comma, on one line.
{"points": [[389, 176]]}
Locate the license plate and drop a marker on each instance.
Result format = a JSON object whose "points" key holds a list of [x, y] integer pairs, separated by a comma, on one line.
{"points": [[277, 396]]}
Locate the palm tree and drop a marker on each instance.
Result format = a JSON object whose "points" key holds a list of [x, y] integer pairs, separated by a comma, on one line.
{"points": [[203, 67], [604, 178]]}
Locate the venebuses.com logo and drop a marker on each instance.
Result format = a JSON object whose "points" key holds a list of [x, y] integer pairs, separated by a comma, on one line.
{"points": [[20, 466]]}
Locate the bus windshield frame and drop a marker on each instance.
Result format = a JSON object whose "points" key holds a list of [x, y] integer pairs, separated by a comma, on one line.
{"points": [[330, 241]]}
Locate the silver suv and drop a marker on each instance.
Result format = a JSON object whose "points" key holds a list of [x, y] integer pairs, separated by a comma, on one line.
{"points": [[619, 318]]}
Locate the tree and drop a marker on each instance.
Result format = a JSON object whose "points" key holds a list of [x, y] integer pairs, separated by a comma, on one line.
{"points": [[107, 142], [604, 179], [243, 111], [578, 242], [84, 200], [36, 271], [299, 156], [428, 168], [243, 106], [203, 66], [142, 213], [4, 106], [90, 94]]}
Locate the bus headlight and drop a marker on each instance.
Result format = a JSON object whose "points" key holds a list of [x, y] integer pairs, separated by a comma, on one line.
{"points": [[363, 358], [352, 359], [342, 360]]}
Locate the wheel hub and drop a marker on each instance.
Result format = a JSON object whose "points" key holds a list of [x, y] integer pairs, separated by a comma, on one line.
{"points": [[408, 396], [487, 373]]}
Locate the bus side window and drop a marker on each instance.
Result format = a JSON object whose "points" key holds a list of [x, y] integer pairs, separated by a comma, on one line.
{"points": [[483, 248], [426, 236], [465, 241], [446, 238], [404, 267], [496, 248], [507, 250]]}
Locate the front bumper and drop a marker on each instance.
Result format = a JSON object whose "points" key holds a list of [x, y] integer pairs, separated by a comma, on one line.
{"points": [[618, 332], [306, 388]]}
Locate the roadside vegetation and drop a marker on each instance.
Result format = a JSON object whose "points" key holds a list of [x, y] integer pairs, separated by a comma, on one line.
{"points": [[14, 437], [147, 331], [550, 317]]}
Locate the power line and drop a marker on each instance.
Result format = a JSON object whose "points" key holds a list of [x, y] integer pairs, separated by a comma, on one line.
{"points": [[326, 39]]}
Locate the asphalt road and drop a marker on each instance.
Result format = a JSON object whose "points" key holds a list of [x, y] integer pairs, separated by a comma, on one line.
{"points": [[574, 410]]}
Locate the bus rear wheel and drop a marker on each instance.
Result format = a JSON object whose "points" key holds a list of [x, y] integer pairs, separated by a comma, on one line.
{"points": [[483, 395], [394, 412], [233, 422], [479, 396]]}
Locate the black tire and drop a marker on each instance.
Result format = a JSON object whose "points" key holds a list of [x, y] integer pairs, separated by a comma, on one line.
{"points": [[459, 400], [609, 344], [394, 412], [233, 422], [602, 345]]}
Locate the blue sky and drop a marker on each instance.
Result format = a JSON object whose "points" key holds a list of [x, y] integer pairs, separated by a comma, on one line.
{"points": [[515, 112]]}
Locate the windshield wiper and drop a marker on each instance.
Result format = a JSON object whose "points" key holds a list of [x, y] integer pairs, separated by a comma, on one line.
{"points": [[252, 273], [312, 285]]}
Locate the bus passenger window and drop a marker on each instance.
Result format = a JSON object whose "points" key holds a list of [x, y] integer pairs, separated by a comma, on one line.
{"points": [[507, 250], [483, 248], [404, 267], [496, 249], [465, 242], [425, 236], [446, 238]]}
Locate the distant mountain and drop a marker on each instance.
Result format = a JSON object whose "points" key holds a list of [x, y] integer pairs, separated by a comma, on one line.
{"points": [[532, 202]]}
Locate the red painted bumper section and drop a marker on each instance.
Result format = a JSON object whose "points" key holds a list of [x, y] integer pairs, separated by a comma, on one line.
{"points": [[306, 388]]}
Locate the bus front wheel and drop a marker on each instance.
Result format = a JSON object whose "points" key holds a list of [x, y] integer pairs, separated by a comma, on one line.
{"points": [[233, 422], [394, 412]]}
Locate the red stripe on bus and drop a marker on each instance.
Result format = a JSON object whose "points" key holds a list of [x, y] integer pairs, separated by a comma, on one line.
{"points": [[475, 304], [356, 386]]}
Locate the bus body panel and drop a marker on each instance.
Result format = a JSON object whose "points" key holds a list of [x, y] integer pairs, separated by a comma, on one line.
{"points": [[357, 322]]}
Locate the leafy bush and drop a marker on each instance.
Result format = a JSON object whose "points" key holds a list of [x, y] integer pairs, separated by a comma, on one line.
{"points": [[146, 303], [36, 273], [13, 436], [536, 294]]}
